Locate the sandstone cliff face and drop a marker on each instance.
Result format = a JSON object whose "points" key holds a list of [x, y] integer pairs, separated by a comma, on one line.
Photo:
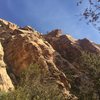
{"points": [[64, 44], [68, 47], [25, 46], [54, 52], [6, 26], [5, 81]]}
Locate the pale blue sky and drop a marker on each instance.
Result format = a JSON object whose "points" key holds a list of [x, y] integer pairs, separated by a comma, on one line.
{"points": [[46, 15]]}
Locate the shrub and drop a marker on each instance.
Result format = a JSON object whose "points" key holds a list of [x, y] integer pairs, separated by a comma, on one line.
{"points": [[31, 88], [89, 61]]}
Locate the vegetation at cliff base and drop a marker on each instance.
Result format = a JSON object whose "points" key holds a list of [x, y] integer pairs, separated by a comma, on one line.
{"points": [[31, 88]]}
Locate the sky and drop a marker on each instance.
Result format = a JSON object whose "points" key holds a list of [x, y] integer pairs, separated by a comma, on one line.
{"points": [[47, 15]]}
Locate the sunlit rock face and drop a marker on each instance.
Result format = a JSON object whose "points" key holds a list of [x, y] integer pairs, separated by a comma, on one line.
{"points": [[6, 26], [5, 81]]}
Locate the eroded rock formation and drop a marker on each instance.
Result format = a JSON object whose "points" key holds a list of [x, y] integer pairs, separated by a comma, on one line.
{"points": [[5, 81], [25, 46], [54, 52]]}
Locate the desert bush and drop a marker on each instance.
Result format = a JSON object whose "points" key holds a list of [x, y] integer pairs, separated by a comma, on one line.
{"points": [[31, 88], [89, 61]]}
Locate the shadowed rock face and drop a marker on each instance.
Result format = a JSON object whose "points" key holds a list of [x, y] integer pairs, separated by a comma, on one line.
{"points": [[5, 81], [68, 47], [89, 46], [64, 44]]}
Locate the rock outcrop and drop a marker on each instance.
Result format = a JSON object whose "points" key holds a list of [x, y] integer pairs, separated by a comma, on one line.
{"points": [[5, 81], [68, 47], [6, 26], [89, 46], [64, 44]]}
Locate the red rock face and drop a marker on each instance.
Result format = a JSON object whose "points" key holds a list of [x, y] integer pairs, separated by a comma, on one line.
{"points": [[25, 46], [69, 50], [53, 52], [68, 47], [64, 44]]}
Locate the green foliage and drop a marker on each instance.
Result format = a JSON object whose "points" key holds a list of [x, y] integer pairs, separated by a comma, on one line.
{"points": [[31, 87], [89, 61]]}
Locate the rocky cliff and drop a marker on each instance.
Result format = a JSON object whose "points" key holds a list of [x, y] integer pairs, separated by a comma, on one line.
{"points": [[5, 82], [54, 52]]}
